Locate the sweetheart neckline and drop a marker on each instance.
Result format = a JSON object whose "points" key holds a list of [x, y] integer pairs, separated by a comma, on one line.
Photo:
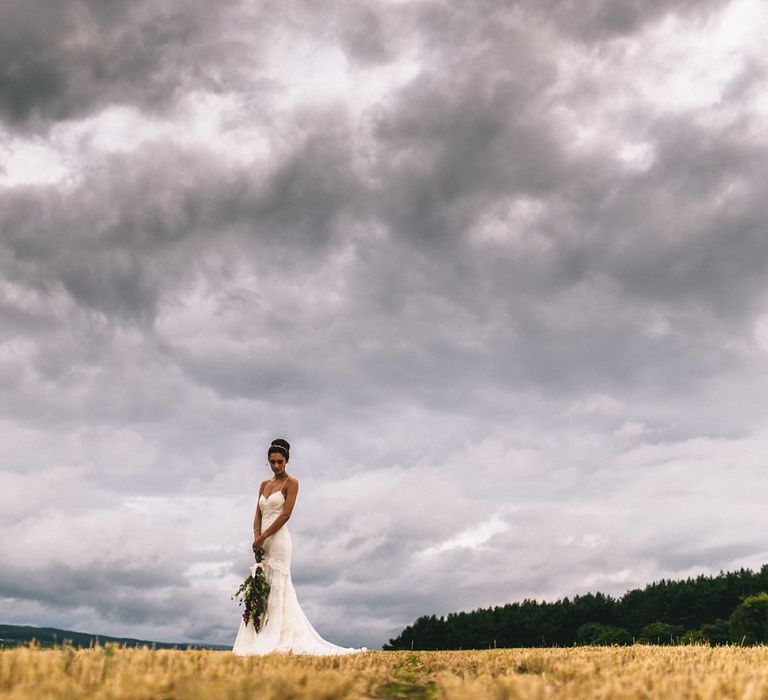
{"points": [[266, 498]]}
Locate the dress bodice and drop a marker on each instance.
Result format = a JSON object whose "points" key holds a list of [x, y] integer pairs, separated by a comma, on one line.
{"points": [[277, 547], [271, 505]]}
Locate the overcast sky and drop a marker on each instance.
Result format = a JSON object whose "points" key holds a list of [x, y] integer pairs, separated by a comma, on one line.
{"points": [[497, 270]]}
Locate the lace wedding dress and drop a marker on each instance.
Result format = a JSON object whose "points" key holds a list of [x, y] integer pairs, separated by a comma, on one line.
{"points": [[287, 628]]}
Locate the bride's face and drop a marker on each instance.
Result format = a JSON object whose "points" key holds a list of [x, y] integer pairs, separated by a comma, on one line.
{"points": [[277, 463]]}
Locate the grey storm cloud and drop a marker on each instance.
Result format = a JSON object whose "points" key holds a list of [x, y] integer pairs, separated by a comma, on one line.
{"points": [[64, 60], [599, 20], [506, 300], [133, 220]]}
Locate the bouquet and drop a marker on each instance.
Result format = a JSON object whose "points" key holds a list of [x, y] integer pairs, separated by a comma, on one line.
{"points": [[255, 592]]}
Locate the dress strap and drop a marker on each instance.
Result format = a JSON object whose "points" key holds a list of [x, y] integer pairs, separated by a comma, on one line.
{"points": [[285, 481]]}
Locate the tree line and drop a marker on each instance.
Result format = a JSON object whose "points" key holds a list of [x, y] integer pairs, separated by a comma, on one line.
{"points": [[729, 608]]}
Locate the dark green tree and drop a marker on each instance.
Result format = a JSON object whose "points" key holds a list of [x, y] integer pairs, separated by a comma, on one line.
{"points": [[663, 612], [748, 623], [661, 633], [717, 632], [693, 637], [598, 634]]}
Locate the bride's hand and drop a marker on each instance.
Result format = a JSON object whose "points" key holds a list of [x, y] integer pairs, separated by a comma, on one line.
{"points": [[258, 543]]}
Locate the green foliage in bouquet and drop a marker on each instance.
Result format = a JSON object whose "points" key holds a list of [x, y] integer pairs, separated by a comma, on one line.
{"points": [[255, 593]]}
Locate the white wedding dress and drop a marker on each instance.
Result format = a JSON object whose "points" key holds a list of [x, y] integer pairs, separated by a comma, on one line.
{"points": [[286, 628]]}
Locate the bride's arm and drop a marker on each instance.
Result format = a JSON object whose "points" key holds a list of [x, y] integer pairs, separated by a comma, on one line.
{"points": [[257, 517], [293, 490]]}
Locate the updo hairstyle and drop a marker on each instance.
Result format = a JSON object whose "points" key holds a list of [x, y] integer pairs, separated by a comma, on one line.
{"points": [[281, 446]]}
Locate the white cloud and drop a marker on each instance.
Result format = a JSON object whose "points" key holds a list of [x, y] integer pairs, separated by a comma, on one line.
{"points": [[472, 538]]}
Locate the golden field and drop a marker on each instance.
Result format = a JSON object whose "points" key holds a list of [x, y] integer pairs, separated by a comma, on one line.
{"points": [[639, 671]]}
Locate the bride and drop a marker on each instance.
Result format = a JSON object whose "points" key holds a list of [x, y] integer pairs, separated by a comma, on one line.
{"points": [[287, 628]]}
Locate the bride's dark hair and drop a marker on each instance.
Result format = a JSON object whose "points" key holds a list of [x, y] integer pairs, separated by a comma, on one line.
{"points": [[281, 446]]}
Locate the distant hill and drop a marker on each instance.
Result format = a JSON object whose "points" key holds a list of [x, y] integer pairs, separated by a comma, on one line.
{"points": [[15, 635]]}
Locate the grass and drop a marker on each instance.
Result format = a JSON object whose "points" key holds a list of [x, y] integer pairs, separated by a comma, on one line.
{"points": [[112, 672]]}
